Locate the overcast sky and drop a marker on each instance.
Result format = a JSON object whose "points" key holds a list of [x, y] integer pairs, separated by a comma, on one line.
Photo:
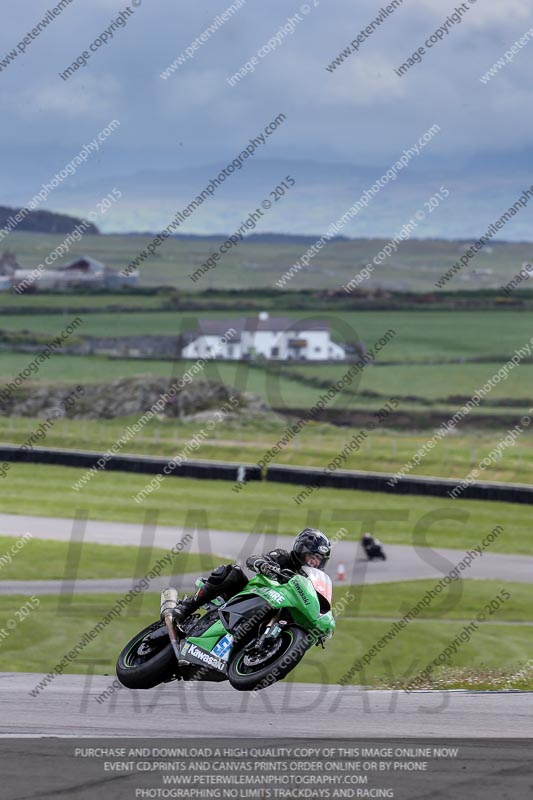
{"points": [[361, 114]]}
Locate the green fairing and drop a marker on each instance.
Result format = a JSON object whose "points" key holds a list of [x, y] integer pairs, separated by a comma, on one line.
{"points": [[306, 614], [211, 636], [276, 625]]}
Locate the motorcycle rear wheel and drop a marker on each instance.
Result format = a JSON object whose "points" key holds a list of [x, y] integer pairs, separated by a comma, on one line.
{"points": [[246, 677], [138, 670]]}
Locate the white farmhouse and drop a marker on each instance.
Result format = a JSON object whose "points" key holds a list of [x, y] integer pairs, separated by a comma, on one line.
{"points": [[273, 338]]}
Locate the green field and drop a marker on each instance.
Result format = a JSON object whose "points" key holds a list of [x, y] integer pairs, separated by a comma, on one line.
{"points": [[440, 389], [315, 446], [49, 303], [416, 265], [494, 648], [423, 335], [414, 384], [415, 365], [462, 600], [211, 505], [427, 383], [433, 365], [427, 392]]}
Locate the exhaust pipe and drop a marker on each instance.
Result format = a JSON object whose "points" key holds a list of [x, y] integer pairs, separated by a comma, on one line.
{"points": [[169, 601]]}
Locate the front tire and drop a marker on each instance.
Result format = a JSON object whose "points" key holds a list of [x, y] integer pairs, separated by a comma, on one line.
{"points": [[245, 676], [144, 664]]}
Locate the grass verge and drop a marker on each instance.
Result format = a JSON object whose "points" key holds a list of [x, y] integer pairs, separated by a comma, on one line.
{"points": [[43, 560], [315, 446], [495, 651], [43, 490]]}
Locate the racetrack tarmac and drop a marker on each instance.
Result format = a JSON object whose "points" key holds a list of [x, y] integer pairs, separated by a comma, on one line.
{"points": [[68, 707], [403, 562]]}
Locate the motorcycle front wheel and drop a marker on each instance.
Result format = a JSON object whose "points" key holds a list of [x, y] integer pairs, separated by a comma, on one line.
{"points": [[251, 668], [148, 659]]}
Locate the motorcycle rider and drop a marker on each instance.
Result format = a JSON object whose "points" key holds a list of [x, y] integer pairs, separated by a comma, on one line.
{"points": [[372, 546], [310, 548]]}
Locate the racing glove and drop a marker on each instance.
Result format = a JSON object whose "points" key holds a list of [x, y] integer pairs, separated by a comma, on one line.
{"points": [[268, 568], [287, 574], [273, 571]]}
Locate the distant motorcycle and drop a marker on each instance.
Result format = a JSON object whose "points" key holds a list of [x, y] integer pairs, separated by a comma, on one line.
{"points": [[253, 640], [373, 548]]}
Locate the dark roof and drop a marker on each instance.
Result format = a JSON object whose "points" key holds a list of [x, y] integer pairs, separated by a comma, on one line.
{"points": [[281, 324], [218, 327], [84, 264], [311, 325]]}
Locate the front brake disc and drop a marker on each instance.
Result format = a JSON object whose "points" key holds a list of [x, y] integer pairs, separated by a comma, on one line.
{"points": [[254, 660]]}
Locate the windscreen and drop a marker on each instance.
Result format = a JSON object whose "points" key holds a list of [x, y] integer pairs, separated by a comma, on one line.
{"points": [[321, 582]]}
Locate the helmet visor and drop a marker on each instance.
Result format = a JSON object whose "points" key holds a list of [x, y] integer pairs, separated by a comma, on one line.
{"points": [[313, 560]]}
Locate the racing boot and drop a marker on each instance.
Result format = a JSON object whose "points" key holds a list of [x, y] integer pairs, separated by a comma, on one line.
{"points": [[189, 605], [226, 580]]}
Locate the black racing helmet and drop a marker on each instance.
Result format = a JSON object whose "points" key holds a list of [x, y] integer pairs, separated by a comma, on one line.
{"points": [[312, 548]]}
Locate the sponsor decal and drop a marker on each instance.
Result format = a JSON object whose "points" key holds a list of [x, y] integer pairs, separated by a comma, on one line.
{"points": [[323, 549], [207, 658], [185, 648], [276, 597], [223, 648], [301, 592]]}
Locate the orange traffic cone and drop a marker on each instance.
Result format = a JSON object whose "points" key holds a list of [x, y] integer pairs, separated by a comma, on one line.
{"points": [[341, 573]]}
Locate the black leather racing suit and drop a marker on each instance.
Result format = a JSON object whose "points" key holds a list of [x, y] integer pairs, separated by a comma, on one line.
{"points": [[229, 579], [272, 562]]}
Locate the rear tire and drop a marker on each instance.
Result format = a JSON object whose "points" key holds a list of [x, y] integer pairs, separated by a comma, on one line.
{"points": [[245, 678], [144, 671]]}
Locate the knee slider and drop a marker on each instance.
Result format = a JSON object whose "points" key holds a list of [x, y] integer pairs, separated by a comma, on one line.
{"points": [[235, 580], [219, 575]]}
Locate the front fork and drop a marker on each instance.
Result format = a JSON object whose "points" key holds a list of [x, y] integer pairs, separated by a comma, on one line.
{"points": [[272, 631], [275, 628]]}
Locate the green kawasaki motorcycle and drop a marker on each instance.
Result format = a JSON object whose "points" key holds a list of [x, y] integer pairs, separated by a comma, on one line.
{"points": [[253, 640]]}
